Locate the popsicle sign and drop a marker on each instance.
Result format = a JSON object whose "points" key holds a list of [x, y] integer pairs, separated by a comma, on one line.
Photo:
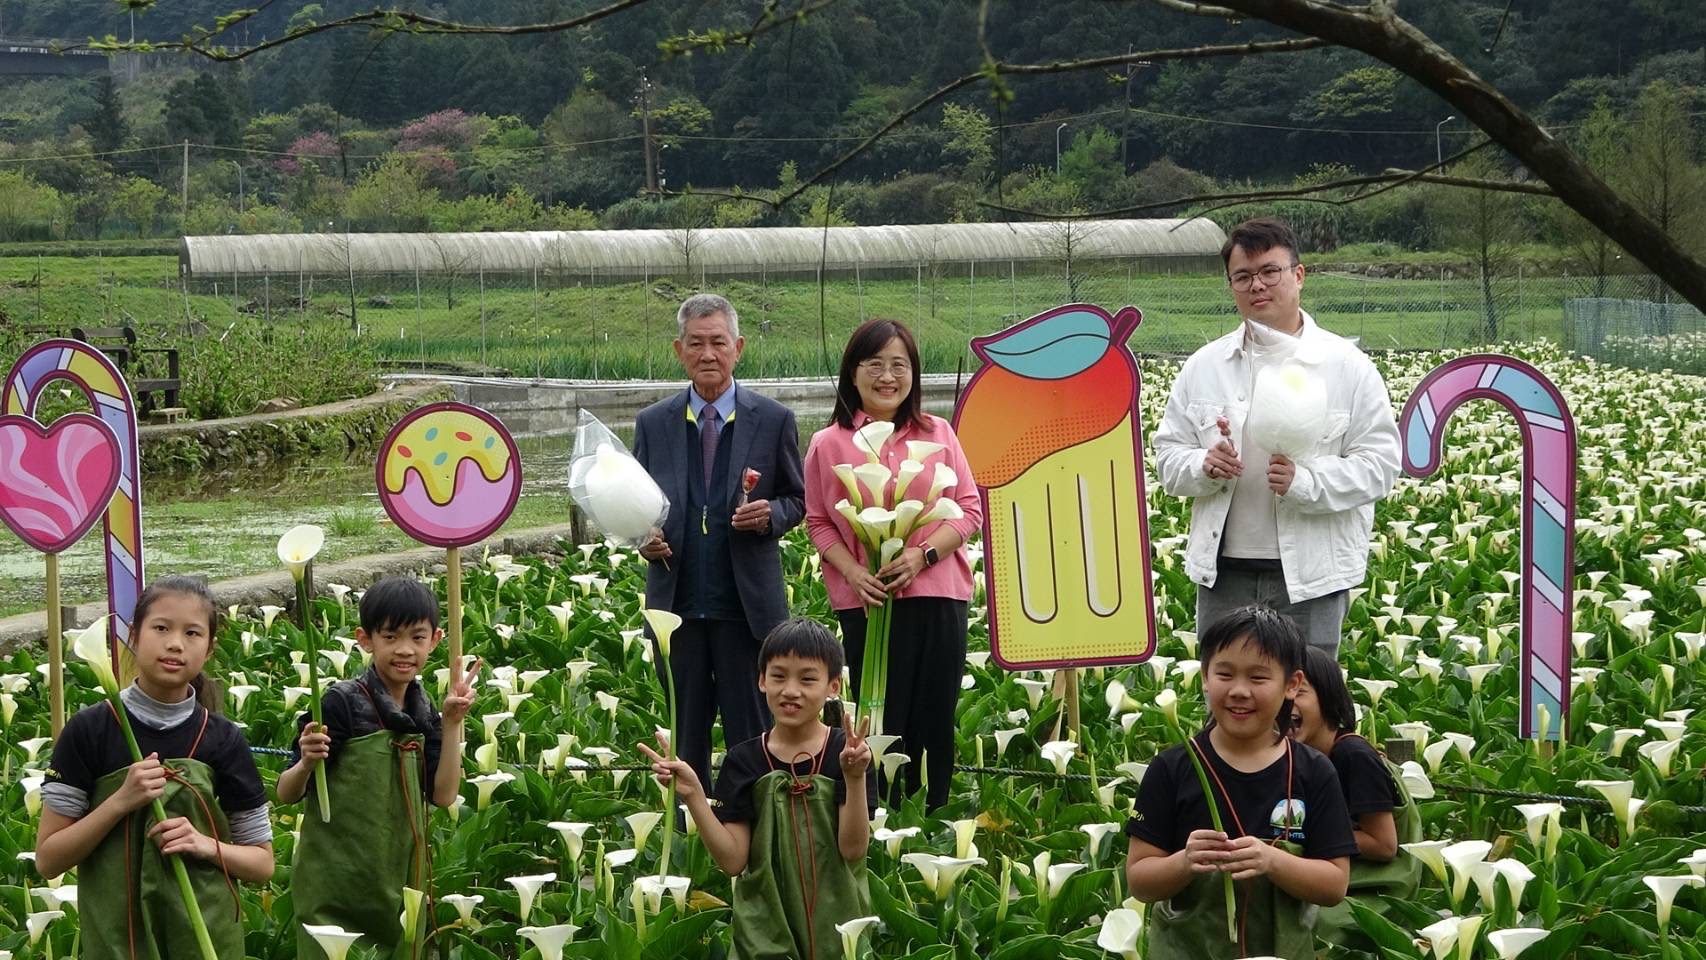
{"points": [[91, 371], [1548, 508], [1050, 427]]}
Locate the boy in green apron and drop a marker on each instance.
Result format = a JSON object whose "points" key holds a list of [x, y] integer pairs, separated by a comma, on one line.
{"points": [[95, 802], [796, 806], [1384, 815], [1287, 843], [387, 752]]}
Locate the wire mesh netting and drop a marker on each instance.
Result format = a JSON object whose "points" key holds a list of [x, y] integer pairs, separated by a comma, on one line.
{"points": [[578, 324]]}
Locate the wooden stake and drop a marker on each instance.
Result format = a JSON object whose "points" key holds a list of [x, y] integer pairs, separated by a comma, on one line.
{"points": [[1071, 695], [55, 643], [453, 594]]}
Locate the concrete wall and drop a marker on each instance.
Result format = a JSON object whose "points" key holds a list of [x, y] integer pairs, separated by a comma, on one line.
{"points": [[551, 407]]}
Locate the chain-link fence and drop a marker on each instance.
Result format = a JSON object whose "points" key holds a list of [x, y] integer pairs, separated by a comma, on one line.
{"points": [[567, 323], [1638, 323]]}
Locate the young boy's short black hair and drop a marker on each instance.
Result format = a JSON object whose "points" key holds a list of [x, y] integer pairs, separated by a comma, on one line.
{"points": [[1328, 682], [397, 602], [805, 638], [1274, 634]]}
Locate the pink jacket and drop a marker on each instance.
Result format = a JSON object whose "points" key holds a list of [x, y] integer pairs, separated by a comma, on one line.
{"points": [[951, 577]]}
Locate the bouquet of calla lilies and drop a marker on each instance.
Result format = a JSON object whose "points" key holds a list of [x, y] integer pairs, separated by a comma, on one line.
{"points": [[884, 508]]}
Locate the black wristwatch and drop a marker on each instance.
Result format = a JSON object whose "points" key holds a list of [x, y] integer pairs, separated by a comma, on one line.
{"points": [[930, 555]]}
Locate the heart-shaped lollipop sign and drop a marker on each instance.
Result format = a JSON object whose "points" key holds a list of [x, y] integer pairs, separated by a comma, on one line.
{"points": [[56, 481]]}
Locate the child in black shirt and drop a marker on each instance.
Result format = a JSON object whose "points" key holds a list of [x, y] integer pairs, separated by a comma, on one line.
{"points": [[1382, 811], [95, 803], [1276, 797], [795, 819], [381, 741]]}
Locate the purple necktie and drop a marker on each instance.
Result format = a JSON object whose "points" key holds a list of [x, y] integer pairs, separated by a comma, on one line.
{"points": [[709, 432]]}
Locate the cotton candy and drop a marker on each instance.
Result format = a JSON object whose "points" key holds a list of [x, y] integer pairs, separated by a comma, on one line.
{"points": [[1288, 410]]}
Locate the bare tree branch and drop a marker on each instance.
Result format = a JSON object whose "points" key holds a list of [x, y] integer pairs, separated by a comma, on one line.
{"points": [[401, 21], [1378, 31], [1197, 9], [1392, 178], [768, 19], [991, 71]]}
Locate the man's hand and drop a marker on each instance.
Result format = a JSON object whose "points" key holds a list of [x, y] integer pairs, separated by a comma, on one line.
{"points": [[1222, 462], [315, 744], [672, 770], [752, 517], [1248, 857], [856, 753], [461, 696], [656, 548], [1281, 471], [178, 835]]}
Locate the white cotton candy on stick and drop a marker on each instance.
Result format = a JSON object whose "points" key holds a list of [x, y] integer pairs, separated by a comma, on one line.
{"points": [[1288, 410], [620, 498]]}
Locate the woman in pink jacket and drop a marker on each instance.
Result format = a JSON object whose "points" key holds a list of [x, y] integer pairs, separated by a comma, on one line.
{"points": [[929, 579]]}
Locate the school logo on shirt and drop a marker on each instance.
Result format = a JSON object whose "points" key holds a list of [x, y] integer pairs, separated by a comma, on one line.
{"points": [[1287, 820]]}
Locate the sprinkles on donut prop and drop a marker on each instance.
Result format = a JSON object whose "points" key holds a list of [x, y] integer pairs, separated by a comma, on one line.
{"points": [[1548, 509], [449, 475]]}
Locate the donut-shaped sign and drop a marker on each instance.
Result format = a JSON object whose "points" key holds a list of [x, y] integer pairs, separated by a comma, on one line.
{"points": [[449, 474]]}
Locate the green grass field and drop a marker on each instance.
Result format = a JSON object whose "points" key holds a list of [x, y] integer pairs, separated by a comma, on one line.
{"points": [[622, 331]]}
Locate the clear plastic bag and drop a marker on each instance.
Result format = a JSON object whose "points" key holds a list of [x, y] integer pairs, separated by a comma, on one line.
{"points": [[620, 499]]}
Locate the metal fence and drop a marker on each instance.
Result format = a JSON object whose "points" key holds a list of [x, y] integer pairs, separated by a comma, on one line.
{"points": [[576, 324], [1661, 334]]}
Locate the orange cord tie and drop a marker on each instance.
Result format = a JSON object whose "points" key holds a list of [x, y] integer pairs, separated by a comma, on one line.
{"points": [[799, 789], [1290, 769]]}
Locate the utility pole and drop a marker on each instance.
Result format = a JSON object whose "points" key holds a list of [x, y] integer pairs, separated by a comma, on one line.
{"points": [[185, 200], [1125, 126], [646, 134]]}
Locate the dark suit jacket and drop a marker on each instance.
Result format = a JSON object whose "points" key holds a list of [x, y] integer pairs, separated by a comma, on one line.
{"points": [[765, 439]]}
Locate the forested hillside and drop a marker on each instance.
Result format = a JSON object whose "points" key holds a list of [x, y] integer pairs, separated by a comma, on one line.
{"points": [[377, 131]]}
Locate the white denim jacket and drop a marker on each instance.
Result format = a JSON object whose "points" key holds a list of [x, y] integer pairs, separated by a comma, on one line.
{"points": [[1325, 519]]}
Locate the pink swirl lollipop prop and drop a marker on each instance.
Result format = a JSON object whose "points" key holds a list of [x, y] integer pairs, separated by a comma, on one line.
{"points": [[1548, 507]]}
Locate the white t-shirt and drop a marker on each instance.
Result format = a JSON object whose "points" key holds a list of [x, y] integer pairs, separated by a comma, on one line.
{"points": [[1251, 528]]}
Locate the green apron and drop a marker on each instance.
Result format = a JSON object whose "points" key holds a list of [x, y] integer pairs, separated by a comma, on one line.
{"points": [[127, 869], [1271, 922], [796, 886], [1192, 925], [351, 872], [1398, 878]]}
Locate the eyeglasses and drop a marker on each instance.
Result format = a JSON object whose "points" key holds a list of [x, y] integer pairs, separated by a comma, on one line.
{"points": [[899, 369], [1269, 275]]}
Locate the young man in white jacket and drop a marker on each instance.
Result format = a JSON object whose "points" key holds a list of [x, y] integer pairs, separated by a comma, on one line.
{"points": [[1289, 533]]}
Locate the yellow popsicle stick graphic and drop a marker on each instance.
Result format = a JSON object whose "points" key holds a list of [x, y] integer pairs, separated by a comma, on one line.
{"points": [[1066, 555]]}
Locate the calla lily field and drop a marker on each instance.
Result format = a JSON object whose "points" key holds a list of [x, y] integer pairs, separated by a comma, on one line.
{"points": [[1593, 846]]}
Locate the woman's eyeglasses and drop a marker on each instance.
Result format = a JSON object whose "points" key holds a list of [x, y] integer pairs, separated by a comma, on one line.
{"points": [[875, 369]]}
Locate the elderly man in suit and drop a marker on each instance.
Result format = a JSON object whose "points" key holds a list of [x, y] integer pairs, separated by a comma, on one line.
{"points": [[716, 562]]}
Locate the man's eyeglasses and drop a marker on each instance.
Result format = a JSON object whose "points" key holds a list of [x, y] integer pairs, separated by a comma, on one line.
{"points": [[900, 369], [1269, 275]]}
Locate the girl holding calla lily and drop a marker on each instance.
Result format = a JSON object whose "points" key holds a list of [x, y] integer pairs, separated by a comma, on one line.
{"points": [[889, 504], [163, 884]]}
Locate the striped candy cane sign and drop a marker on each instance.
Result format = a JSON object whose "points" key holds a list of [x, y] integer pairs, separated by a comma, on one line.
{"points": [[1548, 507], [101, 382]]}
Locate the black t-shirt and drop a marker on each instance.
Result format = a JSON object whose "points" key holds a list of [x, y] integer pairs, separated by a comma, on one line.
{"points": [[92, 746], [349, 713], [1363, 776], [746, 762], [1170, 802]]}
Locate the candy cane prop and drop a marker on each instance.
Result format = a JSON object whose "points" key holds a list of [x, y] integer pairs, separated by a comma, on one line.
{"points": [[1548, 507], [107, 391]]}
